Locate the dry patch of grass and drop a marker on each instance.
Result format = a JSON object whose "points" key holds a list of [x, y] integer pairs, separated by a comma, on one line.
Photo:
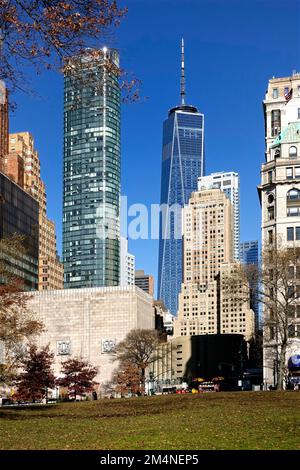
{"points": [[249, 420]]}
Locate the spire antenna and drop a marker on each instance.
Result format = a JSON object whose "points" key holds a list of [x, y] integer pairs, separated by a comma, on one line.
{"points": [[182, 87]]}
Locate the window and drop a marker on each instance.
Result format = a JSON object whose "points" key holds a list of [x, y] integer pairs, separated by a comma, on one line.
{"points": [[291, 272], [291, 311], [293, 211], [286, 90], [290, 234], [293, 152], [289, 173], [291, 329], [270, 236], [298, 90], [275, 121], [270, 213], [291, 292], [293, 194], [297, 233], [270, 176], [275, 93], [298, 113], [297, 172]]}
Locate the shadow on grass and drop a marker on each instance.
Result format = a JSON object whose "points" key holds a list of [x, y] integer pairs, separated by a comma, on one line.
{"points": [[149, 406], [99, 410]]}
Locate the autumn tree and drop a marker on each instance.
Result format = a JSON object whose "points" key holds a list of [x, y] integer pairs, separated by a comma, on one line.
{"points": [[78, 377], [36, 376], [127, 378], [44, 34], [17, 323], [139, 349], [276, 286]]}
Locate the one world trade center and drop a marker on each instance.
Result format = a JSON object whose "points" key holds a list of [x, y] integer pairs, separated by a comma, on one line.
{"points": [[182, 164]]}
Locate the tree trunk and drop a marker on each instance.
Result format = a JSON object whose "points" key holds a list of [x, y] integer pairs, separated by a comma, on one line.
{"points": [[281, 372], [143, 381]]}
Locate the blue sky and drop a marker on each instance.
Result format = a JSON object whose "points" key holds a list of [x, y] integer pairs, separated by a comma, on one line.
{"points": [[233, 47]]}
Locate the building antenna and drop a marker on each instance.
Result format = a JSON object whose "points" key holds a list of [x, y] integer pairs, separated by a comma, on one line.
{"points": [[182, 87]]}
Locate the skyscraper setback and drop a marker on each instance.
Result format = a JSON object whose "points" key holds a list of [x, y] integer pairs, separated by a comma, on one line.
{"points": [[182, 164], [92, 170]]}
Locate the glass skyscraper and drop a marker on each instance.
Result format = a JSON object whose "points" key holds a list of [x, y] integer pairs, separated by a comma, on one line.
{"points": [[182, 164], [19, 214], [249, 252], [249, 255], [91, 170]]}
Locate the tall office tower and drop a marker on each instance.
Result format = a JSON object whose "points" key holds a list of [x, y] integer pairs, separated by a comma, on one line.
{"points": [[229, 183], [144, 281], [182, 164], [3, 124], [280, 192], [22, 165], [249, 256], [19, 214], [91, 211], [207, 251], [127, 264], [207, 243]]}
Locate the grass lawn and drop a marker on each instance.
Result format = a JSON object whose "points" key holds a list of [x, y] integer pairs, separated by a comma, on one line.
{"points": [[248, 420]]}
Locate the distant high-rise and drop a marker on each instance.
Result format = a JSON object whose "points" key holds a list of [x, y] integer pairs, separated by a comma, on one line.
{"points": [[91, 240], [182, 164], [21, 144], [144, 281], [3, 124], [127, 264], [249, 255], [249, 252], [229, 183]]}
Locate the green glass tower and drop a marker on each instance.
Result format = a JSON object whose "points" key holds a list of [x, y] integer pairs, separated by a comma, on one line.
{"points": [[91, 178]]}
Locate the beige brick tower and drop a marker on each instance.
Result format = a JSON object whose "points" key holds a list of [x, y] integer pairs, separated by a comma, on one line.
{"points": [[207, 250], [22, 164]]}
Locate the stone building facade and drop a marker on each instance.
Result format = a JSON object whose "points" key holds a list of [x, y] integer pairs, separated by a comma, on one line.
{"points": [[207, 243], [89, 322], [207, 257], [279, 193]]}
